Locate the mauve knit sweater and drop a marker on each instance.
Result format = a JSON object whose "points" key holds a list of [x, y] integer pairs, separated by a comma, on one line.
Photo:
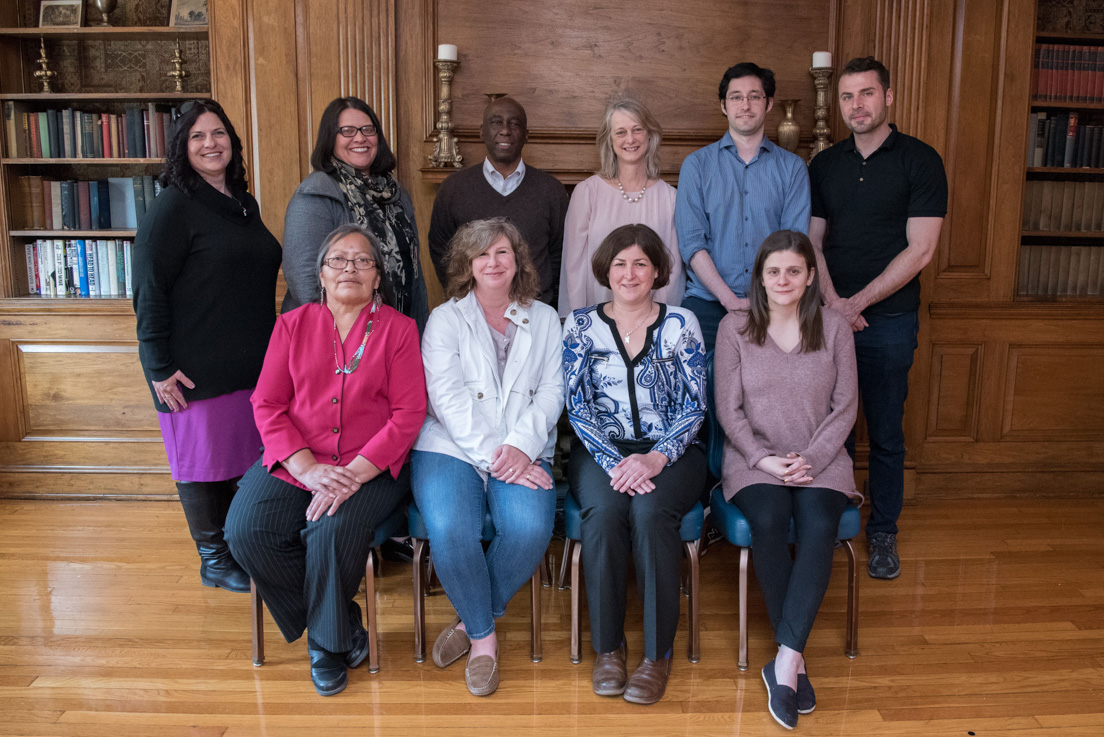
{"points": [[770, 402]]}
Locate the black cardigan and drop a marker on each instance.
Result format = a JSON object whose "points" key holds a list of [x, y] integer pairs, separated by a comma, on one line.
{"points": [[204, 290]]}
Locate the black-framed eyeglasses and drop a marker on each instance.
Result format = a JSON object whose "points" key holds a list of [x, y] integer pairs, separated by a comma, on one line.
{"points": [[351, 130], [360, 263]]}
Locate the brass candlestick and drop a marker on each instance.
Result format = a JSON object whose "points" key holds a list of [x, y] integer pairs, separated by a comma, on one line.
{"points": [[177, 74], [45, 74], [446, 150], [821, 109]]}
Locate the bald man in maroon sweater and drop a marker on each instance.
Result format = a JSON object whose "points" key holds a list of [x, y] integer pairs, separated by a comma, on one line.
{"points": [[533, 200]]}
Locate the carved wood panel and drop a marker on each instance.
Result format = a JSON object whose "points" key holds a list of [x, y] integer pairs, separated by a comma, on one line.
{"points": [[953, 398], [1054, 391]]}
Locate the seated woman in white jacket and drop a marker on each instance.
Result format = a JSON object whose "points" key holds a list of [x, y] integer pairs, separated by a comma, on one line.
{"points": [[493, 373]]}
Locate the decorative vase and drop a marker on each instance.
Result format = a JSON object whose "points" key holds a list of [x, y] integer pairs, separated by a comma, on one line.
{"points": [[789, 131]]}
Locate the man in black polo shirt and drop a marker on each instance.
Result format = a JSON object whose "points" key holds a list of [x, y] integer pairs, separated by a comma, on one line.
{"points": [[878, 198]]}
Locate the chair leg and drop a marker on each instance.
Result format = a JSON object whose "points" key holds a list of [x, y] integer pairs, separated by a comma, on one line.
{"points": [[851, 650], [535, 599], [419, 600], [742, 659], [428, 574], [694, 652], [562, 583], [256, 617], [576, 626], [545, 572], [370, 612]]}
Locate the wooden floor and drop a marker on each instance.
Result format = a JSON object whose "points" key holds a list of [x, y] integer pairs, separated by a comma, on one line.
{"points": [[995, 627]]}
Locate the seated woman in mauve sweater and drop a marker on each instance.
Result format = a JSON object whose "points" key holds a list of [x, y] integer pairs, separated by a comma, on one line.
{"points": [[786, 395]]}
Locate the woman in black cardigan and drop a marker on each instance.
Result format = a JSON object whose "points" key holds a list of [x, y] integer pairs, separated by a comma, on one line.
{"points": [[205, 271]]}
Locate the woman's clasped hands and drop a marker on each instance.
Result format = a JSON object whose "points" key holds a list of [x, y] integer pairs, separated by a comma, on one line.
{"points": [[634, 474], [512, 466], [793, 469]]}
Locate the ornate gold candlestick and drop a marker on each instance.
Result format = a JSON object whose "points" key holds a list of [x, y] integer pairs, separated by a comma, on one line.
{"points": [[45, 74], [821, 109], [446, 150], [177, 74]]}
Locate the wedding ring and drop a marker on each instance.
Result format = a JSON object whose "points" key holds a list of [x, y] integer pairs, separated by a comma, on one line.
{"points": [[509, 470]]}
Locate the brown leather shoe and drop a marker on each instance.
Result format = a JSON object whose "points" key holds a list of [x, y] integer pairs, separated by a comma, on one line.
{"points": [[649, 681], [481, 675], [451, 645], [609, 674]]}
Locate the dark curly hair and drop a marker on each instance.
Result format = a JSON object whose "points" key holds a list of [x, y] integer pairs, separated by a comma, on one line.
{"points": [[747, 69], [177, 170], [322, 155]]}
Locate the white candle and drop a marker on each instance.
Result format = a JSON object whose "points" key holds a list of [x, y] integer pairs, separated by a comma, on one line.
{"points": [[446, 52], [822, 59]]}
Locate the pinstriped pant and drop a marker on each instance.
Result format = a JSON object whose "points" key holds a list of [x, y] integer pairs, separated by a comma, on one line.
{"points": [[308, 572]]}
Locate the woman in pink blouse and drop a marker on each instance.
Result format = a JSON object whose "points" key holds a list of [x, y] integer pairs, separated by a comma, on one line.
{"points": [[786, 394], [340, 400], [627, 190]]}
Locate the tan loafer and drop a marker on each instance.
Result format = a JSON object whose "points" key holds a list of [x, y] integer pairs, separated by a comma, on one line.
{"points": [[481, 675], [649, 681], [451, 645], [610, 674]]}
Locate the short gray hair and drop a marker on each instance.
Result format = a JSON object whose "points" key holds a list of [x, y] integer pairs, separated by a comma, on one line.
{"points": [[374, 251]]}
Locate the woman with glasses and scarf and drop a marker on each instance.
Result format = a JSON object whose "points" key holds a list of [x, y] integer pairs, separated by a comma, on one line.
{"points": [[353, 183], [205, 271]]}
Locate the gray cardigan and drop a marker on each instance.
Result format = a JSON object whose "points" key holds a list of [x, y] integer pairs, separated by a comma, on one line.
{"points": [[316, 208]]}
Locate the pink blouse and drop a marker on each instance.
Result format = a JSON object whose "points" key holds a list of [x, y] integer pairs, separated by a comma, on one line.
{"points": [[301, 399], [596, 209]]}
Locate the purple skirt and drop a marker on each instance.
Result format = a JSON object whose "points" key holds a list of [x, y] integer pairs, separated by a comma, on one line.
{"points": [[213, 440]]}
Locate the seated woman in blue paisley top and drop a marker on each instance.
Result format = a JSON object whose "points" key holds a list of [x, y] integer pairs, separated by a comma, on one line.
{"points": [[635, 385]]}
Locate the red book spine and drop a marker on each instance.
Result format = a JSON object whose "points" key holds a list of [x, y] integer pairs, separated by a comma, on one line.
{"points": [[36, 140], [105, 121]]}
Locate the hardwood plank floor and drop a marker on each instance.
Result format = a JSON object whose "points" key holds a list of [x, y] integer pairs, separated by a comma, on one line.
{"points": [[995, 627]]}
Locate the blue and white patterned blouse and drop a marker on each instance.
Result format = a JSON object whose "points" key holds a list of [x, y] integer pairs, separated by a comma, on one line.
{"points": [[659, 395]]}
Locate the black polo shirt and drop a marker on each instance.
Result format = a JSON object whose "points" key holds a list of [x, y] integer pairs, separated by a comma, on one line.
{"points": [[867, 203]]}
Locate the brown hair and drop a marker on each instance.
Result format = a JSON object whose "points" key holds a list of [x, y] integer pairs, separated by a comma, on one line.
{"points": [[861, 64], [808, 309], [474, 238], [635, 110], [628, 236]]}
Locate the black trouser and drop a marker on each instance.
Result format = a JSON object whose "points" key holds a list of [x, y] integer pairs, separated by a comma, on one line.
{"points": [[793, 588], [308, 572], [648, 524]]}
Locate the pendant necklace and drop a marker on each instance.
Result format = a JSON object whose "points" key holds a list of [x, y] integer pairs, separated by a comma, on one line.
{"points": [[359, 351], [628, 333]]}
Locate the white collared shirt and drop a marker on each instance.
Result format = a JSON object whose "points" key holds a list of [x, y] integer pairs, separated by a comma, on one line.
{"points": [[503, 185]]}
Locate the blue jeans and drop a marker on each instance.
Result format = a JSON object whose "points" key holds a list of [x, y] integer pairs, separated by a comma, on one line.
{"points": [[884, 350], [709, 314], [451, 496]]}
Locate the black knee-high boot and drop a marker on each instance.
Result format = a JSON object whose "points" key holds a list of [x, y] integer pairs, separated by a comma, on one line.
{"points": [[205, 506]]}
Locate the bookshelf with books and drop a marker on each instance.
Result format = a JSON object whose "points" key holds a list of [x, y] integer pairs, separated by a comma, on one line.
{"points": [[1061, 252]]}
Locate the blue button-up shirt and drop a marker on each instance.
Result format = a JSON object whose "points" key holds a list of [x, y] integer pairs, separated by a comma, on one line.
{"points": [[727, 207]]}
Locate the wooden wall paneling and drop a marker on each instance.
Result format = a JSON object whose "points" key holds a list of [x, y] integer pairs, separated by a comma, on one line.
{"points": [[953, 395], [231, 73], [1054, 391], [11, 420]]}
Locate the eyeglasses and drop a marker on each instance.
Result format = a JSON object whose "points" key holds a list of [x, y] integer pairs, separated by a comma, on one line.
{"points": [[207, 104], [351, 130], [753, 99], [359, 263]]}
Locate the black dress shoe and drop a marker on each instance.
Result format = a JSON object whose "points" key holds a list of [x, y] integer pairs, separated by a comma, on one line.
{"points": [[328, 673], [356, 656], [398, 551], [781, 700]]}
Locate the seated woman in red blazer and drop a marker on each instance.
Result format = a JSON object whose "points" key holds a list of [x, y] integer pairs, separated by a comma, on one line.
{"points": [[340, 400]]}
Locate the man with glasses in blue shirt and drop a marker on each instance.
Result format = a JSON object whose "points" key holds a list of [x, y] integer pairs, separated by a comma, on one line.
{"points": [[731, 195]]}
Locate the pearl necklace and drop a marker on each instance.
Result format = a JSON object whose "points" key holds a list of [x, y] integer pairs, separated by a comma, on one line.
{"points": [[626, 197]]}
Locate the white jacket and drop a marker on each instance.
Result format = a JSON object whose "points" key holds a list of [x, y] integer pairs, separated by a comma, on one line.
{"points": [[471, 412]]}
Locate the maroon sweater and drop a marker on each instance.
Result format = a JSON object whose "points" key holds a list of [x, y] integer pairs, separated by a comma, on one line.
{"points": [[537, 207], [772, 403]]}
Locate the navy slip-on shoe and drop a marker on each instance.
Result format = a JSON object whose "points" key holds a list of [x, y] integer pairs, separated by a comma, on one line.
{"points": [[781, 700], [806, 697]]}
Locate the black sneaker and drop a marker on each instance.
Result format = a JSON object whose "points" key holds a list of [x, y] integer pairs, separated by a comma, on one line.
{"points": [[883, 562]]}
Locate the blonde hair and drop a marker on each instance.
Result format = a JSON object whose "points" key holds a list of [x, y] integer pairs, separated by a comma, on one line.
{"points": [[471, 240], [636, 110]]}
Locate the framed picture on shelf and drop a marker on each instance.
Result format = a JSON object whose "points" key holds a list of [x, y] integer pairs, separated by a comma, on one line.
{"points": [[185, 13], [61, 14]]}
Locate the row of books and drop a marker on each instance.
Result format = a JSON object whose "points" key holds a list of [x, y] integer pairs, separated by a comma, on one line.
{"points": [[80, 267], [1067, 73], [1059, 271], [1067, 206], [1064, 140], [137, 133], [104, 204]]}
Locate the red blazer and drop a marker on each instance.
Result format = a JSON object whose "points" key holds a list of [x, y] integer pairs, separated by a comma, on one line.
{"points": [[302, 402]]}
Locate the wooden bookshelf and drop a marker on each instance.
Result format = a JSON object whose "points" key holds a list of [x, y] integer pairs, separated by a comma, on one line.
{"points": [[108, 33], [38, 233], [102, 96]]}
